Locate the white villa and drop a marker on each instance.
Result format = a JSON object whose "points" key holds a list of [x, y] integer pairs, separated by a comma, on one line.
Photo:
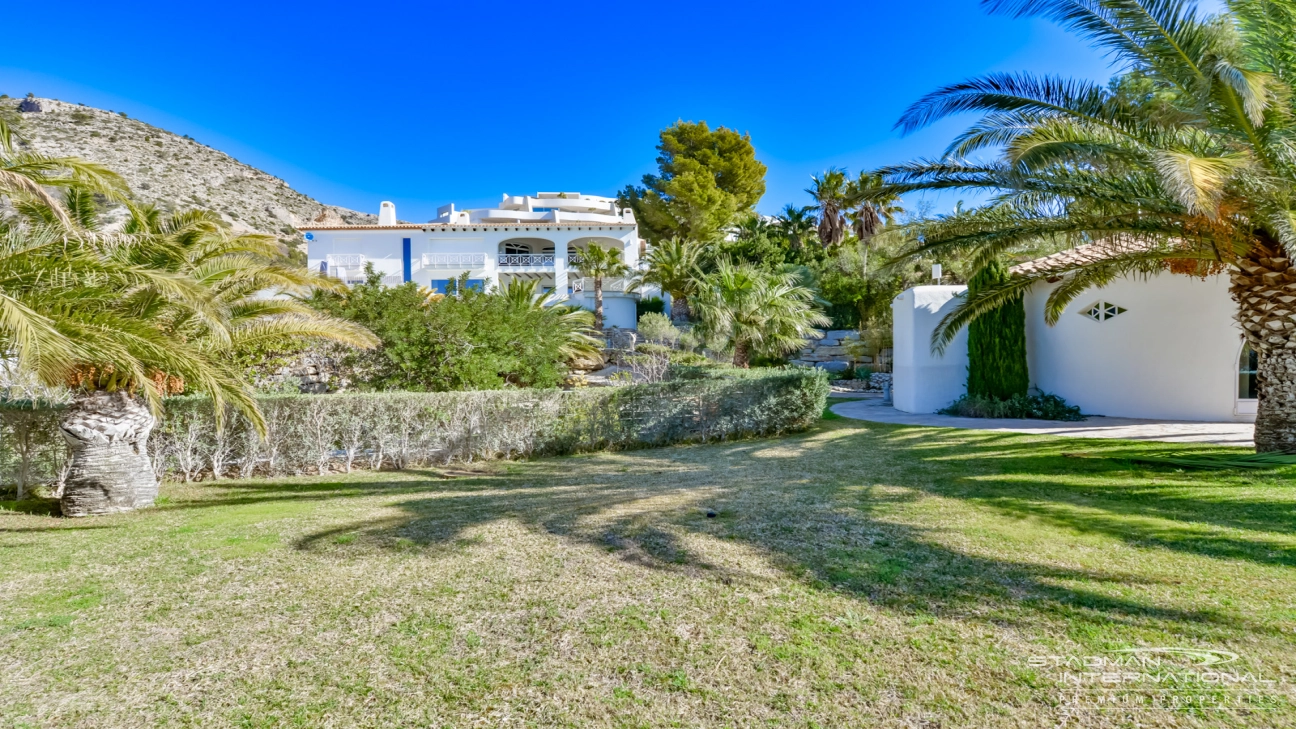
{"points": [[536, 237], [1165, 347]]}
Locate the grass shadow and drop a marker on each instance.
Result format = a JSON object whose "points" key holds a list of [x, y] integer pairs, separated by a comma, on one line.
{"points": [[829, 518]]}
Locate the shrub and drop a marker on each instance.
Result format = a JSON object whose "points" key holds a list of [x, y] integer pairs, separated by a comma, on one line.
{"points": [[1039, 407], [863, 372], [324, 433], [694, 359], [650, 305], [678, 357], [469, 341], [658, 328], [659, 350], [690, 341]]}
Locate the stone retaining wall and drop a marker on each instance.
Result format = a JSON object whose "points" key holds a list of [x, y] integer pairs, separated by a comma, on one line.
{"points": [[839, 350]]}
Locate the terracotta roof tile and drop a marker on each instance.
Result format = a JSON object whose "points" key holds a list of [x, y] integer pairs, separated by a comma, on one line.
{"points": [[1080, 255]]}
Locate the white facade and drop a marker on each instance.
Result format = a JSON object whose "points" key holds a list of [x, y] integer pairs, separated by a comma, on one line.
{"points": [[527, 237], [921, 380], [1166, 348]]}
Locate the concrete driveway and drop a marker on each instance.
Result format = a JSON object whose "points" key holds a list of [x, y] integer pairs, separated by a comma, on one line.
{"points": [[1168, 431]]}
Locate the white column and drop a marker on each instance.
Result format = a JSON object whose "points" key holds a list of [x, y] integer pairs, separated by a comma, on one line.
{"points": [[560, 269], [630, 250], [491, 271]]}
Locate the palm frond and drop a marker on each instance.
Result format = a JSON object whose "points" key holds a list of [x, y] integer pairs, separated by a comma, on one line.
{"points": [[1198, 182]]}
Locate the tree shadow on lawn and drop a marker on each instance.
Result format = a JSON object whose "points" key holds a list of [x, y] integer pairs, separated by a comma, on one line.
{"points": [[1098, 489], [820, 505]]}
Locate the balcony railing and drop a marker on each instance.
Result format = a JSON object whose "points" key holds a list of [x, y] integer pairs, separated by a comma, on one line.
{"points": [[526, 259], [346, 260], [610, 285], [454, 260], [347, 266]]}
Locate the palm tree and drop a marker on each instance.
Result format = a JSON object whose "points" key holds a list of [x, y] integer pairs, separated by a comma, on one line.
{"points": [[599, 263], [127, 319], [831, 191], [574, 324], [796, 224], [755, 312], [27, 176], [1184, 164], [237, 272], [870, 208], [672, 265]]}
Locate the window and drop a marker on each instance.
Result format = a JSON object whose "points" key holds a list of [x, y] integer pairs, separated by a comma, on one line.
{"points": [[446, 286], [516, 249], [1248, 364], [1103, 310]]}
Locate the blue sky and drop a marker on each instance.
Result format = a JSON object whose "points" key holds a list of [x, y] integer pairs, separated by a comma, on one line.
{"points": [[428, 103]]}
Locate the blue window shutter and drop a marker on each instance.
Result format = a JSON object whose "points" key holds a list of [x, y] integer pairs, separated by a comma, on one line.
{"points": [[405, 259]]}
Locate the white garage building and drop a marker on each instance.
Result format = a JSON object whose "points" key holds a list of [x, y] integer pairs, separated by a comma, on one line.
{"points": [[1165, 347], [536, 237]]}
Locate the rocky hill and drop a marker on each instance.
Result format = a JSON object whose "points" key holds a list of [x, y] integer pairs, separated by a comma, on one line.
{"points": [[171, 171]]}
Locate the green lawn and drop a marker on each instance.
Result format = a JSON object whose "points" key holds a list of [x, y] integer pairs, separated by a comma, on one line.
{"points": [[856, 575]]}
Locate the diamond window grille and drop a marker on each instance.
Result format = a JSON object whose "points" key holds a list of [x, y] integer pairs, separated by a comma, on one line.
{"points": [[1103, 310]]}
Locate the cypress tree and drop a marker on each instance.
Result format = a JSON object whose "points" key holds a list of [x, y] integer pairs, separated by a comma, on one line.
{"points": [[997, 343]]}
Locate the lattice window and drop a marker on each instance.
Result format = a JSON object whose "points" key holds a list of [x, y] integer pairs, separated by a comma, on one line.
{"points": [[1103, 310]]}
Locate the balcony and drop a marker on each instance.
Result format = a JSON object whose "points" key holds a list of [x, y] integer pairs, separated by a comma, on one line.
{"points": [[454, 260], [347, 267], [610, 285], [526, 259]]}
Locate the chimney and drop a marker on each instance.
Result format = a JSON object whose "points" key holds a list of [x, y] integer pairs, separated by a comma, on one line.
{"points": [[387, 214]]}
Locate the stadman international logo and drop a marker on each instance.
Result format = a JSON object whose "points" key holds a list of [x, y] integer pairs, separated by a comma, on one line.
{"points": [[1191, 679]]}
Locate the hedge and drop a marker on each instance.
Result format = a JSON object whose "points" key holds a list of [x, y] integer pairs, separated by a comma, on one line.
{"points": [[344, 432]]}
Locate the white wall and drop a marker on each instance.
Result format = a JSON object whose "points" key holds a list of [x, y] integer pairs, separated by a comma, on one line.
{"points": [[1172, 355], [383, 248], [618, 308], [924, 382]]}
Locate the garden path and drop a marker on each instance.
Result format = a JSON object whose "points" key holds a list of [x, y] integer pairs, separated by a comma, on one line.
{"points": [[1168, 431]]}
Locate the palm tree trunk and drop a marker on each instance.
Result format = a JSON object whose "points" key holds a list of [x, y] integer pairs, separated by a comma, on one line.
{"points": [[742, 354], [1265, 292], [1275, 425], [108, 435], [679, 308], [598, 302]]}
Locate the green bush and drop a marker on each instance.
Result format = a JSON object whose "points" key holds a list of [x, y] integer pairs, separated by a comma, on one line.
{"points": [[324, 433], [690, 341], [469, 341], [650, 305], [694, 359], [1038, 407], [657, 328], [863, 372], [660, 350]]}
